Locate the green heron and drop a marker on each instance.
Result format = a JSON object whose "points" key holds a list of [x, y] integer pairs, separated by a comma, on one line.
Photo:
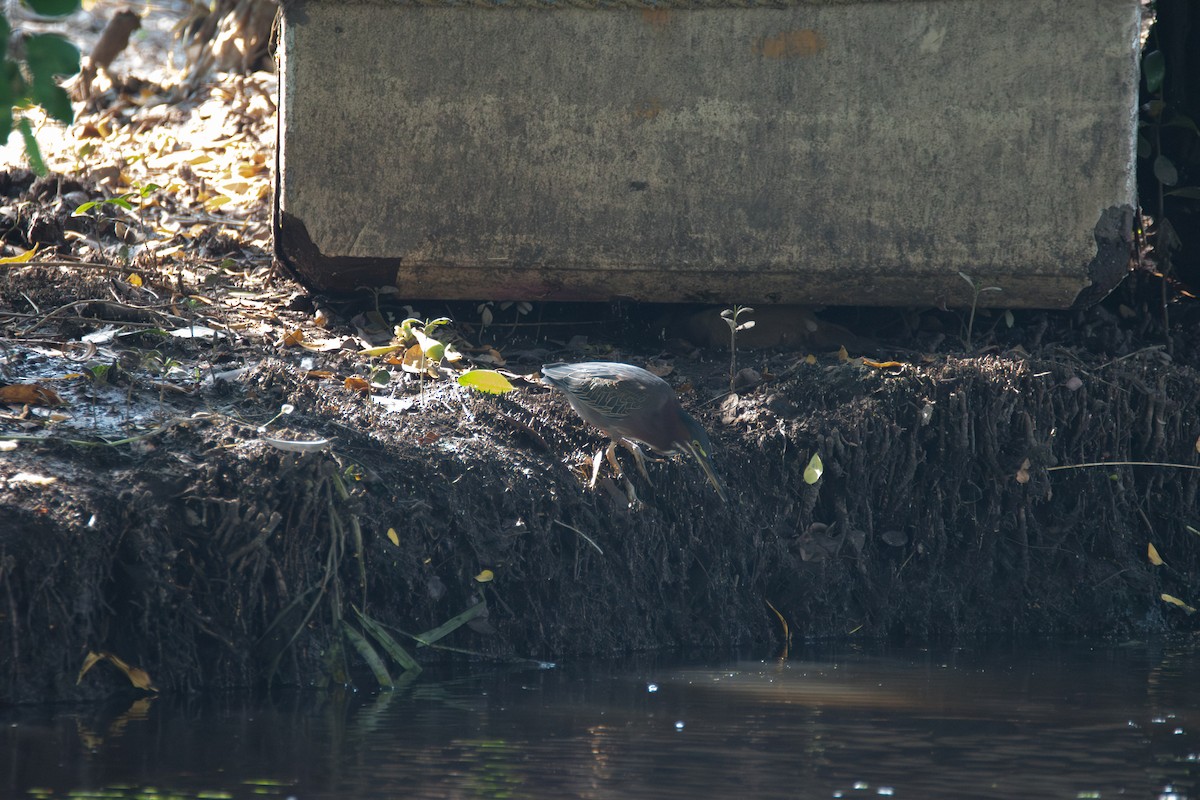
{"points": [[632, 405]]}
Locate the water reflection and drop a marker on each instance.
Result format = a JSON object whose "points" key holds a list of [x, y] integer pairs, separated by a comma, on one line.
{"points": [[1020, 722]]}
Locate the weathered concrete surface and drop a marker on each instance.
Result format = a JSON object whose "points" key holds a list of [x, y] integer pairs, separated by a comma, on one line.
{"points": [[832, 152]]}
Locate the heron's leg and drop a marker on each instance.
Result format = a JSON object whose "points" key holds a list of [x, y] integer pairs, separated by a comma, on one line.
{"points": [[639, 458], [611, 453]]}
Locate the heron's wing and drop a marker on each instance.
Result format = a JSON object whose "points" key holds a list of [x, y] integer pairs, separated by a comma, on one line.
{"points": [[608, 395]]}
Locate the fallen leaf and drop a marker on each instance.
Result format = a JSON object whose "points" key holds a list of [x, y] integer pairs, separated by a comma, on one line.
{"points": [[357, 384], [22, 258], [292, 338], [137, 676], [1023, 473], [32, 478], [882, 364], [484, 577], [485, 380], [1177, 602], [393, 537], [29, 394], [1152, 554], [814, 470]]}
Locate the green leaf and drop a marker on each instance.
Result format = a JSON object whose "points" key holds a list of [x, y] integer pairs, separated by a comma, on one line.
{"points": [[6, 101], [814, 470], [387, 642], [452, 624], [369, 655], [120, 201], [83, 208], [52, 97], [1183, 121], [50, 55], [54, 8], [432, 348], [485, 380], [1154, 68], [1165, 171], [32, 151], [1144, 148]]}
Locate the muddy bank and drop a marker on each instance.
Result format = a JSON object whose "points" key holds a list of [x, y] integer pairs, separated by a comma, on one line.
{"points": [[955, 502]]}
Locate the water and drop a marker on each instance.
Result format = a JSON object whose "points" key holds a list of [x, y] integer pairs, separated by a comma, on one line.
{"points": [[1030, 722]]}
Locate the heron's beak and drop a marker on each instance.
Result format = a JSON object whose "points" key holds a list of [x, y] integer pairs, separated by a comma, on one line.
{"points": [[697, 452]]}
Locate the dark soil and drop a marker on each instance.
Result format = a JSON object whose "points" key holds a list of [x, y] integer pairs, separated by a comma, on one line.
{"points": [[158, 507], [209, 557]]}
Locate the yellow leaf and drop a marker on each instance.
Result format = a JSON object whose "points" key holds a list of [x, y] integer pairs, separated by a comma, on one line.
{"points": [[134, 279], [213, 203], [812, 473], [89, 661], [810, 359], [251, 170], [371, 352], [882, 364], [21, 259], [842, 355], [1152, 553], [393, 537], [138, 677], [485, 380], [485, 576], [1177, 602]]}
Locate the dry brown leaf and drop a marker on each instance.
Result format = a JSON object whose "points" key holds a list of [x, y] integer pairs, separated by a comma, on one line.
{"points": [[1023, 473], [292, 338], [29, 394], [357, 384]]}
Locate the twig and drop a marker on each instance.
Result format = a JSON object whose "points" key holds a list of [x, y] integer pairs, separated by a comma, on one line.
{"points": [[1123, 464], [1149, 349], [79, 264], [585, 537]]}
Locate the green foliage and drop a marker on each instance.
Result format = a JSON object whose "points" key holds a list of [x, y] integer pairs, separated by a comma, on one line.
{"points": [[31, 79], [731, 317], [121, 201], [1168, 156], [976, 291]]}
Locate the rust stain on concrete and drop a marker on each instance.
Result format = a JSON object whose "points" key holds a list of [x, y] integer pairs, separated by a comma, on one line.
{"points": [[647, 109], [790, 44], [656, 17]]}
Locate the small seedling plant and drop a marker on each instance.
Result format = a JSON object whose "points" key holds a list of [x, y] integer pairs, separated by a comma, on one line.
{"points": [[732, 317]]}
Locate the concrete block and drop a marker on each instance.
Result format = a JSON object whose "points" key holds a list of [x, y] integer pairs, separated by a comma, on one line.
{"points": [[828, 151]]}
